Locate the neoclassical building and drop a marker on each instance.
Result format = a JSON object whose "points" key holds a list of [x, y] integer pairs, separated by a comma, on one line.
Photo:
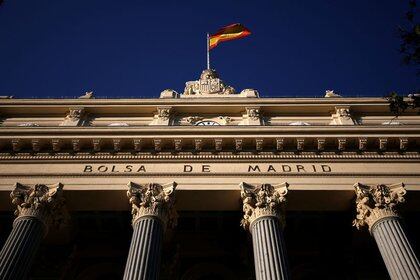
{"points": [[208, 184]]}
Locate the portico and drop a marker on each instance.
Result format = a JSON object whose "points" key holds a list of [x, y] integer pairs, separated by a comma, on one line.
{"points": [[176, 187]]}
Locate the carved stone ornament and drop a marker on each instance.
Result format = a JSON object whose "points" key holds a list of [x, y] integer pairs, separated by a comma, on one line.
{"points": [[259, 144], [238, 144], [158, 144], [178, 144], [75, 144], [75, 114], [96, 144], [209, 84], [117, 144], [137, 144], [362, 144], [87, 95], [253, 113], [300, 144], [56, 145], [194, 119], [169, 93], [36, 145], [403, 144], [376, 202], [262, 200], [164, 113], [153, 200], [321, 144], [343, 112], [331, 93], [342, 144], [225, 120], [43, 202], [342, 116], [218, 144], [16, 145], [198, 143], [279, 144], [383, 144]]}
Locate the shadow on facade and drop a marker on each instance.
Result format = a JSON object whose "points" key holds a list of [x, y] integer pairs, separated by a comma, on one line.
{"points": [[210, 245]]}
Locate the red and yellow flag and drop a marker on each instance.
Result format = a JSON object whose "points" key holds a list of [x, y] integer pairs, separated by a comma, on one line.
{"points": [[230, 32]]}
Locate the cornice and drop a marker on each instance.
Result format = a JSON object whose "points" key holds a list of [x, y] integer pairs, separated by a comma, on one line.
{"points": [[194, 130], [204, 101]]}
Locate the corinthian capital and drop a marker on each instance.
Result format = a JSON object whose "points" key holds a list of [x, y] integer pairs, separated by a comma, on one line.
{"points": [[262, 200], [43, 202], [153, 200], [376, 202]]}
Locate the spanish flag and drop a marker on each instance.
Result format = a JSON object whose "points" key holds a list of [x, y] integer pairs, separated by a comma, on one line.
{"points": [[230, 32]]}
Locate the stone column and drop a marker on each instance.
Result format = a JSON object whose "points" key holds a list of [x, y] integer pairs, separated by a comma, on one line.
{"points": [[263, 208], [38, 207], [153, 211], [376, 208]]}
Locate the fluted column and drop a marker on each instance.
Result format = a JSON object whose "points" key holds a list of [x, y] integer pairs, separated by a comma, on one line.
{"points": [[153, 212], [376, 208], [263, 207], [37, 207]]}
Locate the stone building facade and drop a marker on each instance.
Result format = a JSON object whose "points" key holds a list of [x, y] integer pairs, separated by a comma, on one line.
{"points": [[208, 184]]}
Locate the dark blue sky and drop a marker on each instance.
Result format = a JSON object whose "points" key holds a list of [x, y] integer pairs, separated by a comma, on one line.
{"points": [[138, 48]]}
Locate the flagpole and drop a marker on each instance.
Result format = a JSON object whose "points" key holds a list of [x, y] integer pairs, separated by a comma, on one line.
{"points": [[208, 51]]}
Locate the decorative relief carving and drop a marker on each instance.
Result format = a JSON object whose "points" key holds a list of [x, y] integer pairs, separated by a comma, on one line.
{"points": [[74, 117], [209, 84], [198, 143], [383, 143], [362, 144], [218, 144], [279, 144], [321, 144], [253, 113], [56, 145], [178, 144], [342, 116], [238, 144], [36, 145], [262, 200], [403, 144], [194, 119], [259, 144], [137, 144], [169, 93], [44, 202], [16, 145], [225, 120], [331, 93], [158, 144], [87, 95], [300, 144], [75, 114], [164, 113], [75, 144], [117, 144], [28, 124], [96, 145], [376, 202], [342, 144], [153, 200], [343, 112]]}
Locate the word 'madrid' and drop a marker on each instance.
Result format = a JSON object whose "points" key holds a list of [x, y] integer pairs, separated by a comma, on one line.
{"points": [[211, 168]]}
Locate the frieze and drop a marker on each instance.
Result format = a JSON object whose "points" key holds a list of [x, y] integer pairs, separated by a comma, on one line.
{"points": [[208, 168]]}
